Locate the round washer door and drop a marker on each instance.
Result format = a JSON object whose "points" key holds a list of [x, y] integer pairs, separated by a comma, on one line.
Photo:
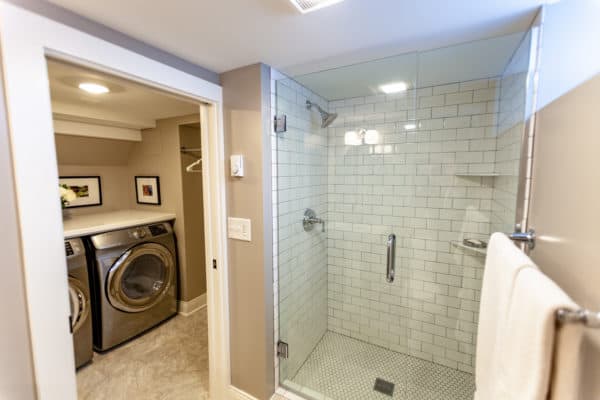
{"points": [[140, 277], [79, 303]]}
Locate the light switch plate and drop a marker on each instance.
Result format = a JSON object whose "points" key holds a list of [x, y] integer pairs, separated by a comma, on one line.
{"points": [[239, 228]]}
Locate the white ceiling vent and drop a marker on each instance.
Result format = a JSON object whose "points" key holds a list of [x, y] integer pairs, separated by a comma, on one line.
{"points": [[311, 5]]}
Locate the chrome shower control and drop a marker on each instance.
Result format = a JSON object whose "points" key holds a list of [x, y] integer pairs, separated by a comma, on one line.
{"points": [[310, 219]]}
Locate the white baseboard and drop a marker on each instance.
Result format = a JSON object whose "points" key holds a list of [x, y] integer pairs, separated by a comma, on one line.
{"points": [[187, 308], [238, 394]]}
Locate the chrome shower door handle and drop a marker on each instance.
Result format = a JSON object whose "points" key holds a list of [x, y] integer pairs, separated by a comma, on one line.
{"points": [[391, 258]]}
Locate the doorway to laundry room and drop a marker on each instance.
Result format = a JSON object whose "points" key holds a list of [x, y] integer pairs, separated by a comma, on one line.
{"points": [[129, 161]]}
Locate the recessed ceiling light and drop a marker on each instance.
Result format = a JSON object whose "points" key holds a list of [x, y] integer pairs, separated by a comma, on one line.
{"points": [[305, 6], [394, 87], [93, 88]]}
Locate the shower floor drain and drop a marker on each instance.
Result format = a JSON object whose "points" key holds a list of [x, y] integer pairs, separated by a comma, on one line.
{"points": [[383, 386]]}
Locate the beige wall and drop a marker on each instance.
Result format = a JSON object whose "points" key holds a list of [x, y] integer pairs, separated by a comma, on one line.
{"points": [[564, 208], [158, 154], [246, 103], [118, 162], [193, 208], [103, 157], [16, 367]]}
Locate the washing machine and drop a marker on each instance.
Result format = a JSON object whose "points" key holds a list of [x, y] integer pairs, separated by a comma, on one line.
{"points": [[79, 299], [134, 281]]}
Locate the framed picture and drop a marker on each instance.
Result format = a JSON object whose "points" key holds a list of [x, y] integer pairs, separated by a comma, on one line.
{"points": [[87, 189], [147, 190]]}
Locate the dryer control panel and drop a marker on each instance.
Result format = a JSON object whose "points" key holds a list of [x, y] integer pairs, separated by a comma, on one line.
{"points": [[158, 229], [73, 247]]}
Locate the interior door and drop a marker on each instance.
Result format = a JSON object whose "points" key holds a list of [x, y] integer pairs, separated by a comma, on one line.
{"points": [[565, 208]]}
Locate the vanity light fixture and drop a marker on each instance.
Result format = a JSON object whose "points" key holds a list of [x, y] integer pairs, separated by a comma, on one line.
{"points": [[371, 136], [394, 87], [363, 136], [306, 6], [352, 138], [93, 88]]}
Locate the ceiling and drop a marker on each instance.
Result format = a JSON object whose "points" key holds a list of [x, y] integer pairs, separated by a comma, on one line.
{"points": [[226, 34], [468, 61], [128, 104]]}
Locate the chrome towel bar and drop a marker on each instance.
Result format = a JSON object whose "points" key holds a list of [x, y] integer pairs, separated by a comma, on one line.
{"points": [[523, 237], [588, 318]]}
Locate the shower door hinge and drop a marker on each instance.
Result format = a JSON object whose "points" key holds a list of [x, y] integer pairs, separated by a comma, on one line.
{"points": [[280, 123], [282, 350]]}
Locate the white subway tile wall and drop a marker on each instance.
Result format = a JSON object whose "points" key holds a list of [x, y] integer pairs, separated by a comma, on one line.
{"points": [[425, 186], [300, 182]]}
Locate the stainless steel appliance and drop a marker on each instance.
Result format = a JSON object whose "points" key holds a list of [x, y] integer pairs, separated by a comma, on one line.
{"points": [[79, 299], [134, 278]]}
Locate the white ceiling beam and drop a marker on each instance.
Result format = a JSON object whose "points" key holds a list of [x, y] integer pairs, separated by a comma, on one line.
{"points": [[74, 128], [77, 112]]}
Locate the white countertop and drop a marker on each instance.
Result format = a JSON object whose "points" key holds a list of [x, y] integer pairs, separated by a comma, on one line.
{"points": [[83, 225]]}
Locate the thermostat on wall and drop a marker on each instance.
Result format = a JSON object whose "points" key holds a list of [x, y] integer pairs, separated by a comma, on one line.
{"points": [[237, 165]]}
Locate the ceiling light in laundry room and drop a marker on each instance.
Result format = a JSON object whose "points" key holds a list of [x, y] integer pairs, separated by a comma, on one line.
{"points": [[305, 6], [394, 87], [93, 88]]}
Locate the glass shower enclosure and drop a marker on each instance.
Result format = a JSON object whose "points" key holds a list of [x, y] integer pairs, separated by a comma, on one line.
{"points": [[389, 178]]}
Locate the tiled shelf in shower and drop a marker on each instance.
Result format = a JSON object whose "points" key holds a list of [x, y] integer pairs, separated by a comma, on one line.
{"points": [[476, 250]]}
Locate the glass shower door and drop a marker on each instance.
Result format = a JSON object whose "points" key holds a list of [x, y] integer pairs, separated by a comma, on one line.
{"points": [[301, 184], [433, 164]]}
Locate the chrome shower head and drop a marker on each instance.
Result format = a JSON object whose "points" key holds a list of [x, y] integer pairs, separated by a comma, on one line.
{"points": [[326, 118]]}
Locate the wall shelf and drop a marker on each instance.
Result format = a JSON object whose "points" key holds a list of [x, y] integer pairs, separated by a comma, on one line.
{"points": [[475, 250], [484, 174]]}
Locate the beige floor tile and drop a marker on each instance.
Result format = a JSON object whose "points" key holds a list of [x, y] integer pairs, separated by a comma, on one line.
{"points": [[170, 362]]}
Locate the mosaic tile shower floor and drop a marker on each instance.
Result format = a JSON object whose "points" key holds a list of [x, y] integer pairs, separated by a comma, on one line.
{"points": [[342, 368]]}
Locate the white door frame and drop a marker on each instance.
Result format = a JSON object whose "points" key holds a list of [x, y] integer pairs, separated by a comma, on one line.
{"points": [[26, 39]]}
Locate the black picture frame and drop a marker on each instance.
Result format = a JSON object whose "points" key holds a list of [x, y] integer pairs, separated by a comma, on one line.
{"points": [[140, 198], [97, 203]]}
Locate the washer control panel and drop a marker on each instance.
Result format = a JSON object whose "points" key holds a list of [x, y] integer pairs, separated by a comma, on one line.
{"points": [[138, 233]]}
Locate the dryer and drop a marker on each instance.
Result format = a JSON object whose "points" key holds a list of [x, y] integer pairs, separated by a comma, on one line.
{"points": [[79, 300], [134, 276]]}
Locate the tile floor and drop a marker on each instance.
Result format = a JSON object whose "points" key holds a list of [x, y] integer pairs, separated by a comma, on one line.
{"points": [[342, 368], [170, 362]]}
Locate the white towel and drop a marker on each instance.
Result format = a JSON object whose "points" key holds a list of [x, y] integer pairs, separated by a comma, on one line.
{"points": [[503, 262], [528, 347]]}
